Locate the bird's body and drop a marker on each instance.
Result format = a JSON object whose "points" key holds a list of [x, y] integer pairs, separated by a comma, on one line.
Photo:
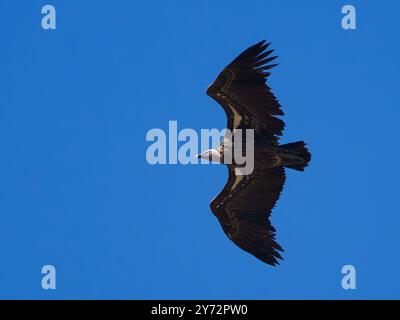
{"points": [[244, 205]]}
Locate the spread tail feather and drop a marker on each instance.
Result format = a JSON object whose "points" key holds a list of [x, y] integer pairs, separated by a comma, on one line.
{"points": [[295, 155]]}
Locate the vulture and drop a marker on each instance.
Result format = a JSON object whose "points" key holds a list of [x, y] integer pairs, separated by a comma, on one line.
{"points": [[244, 206]]}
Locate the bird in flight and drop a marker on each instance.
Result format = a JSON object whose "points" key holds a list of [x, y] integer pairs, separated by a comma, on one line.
{"points": [[244, 206]]}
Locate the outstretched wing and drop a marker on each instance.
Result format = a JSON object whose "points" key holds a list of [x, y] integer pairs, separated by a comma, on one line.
{"points": [[243, 209], [242, 92]]}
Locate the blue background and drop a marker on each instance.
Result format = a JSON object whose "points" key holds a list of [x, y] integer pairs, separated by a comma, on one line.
{"points": [[76, 190]]}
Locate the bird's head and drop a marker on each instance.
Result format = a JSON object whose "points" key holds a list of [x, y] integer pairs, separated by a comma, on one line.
{"points": [[211, 155]]}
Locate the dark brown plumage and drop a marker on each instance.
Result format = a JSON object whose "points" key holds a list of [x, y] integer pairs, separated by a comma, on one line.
{"points": [[244, 206]]}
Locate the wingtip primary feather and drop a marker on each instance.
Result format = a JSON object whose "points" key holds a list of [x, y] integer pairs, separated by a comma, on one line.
{"points": [[261, 42]]}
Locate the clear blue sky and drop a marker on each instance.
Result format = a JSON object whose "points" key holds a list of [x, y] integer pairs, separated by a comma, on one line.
{"points": [[76, 190]]}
